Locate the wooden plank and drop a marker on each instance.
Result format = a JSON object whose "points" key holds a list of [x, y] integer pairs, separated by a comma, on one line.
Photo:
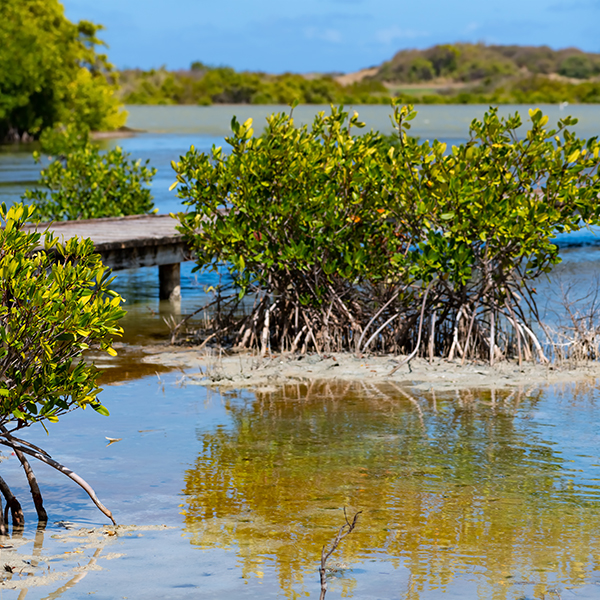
{"points": [[127, 242]]}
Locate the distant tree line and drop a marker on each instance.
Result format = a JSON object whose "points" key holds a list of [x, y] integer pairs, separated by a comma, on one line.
{"points": [[442, 74], [206, 85], [532, 90], [477, 73], [474, 62]]}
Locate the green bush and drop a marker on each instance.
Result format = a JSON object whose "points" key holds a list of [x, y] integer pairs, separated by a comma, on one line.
{"points": [[578, 66], [347, 242], [56, 303], [88, 184]]}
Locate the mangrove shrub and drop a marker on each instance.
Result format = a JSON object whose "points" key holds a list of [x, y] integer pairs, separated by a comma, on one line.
{"points": [[51, 72], [56, 304], [344, 242], [86, 183]]}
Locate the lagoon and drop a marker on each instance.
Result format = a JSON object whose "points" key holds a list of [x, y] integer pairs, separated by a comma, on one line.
{"points": [[470, 494], [465, 494]]}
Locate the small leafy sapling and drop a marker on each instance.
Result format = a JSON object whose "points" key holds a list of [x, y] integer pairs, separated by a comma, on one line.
{"points": [[56, 303], [82, 182]]}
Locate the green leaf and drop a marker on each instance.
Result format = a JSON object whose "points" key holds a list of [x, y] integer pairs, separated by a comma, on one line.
{"points": [[100, 409]]}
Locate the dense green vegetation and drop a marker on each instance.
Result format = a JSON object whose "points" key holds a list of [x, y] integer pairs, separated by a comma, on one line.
{"points": [[474, 62], [534, 89], [413, 249], [457, 73], [476, 73], [51, 72], [88, 184], [223, 85], [56, 303]]}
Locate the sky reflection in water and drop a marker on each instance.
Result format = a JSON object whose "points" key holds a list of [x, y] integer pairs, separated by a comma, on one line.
{"points": [[469, 494]]}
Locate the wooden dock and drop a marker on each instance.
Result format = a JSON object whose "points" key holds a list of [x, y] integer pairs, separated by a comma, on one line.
{"points": [[132, 242]]}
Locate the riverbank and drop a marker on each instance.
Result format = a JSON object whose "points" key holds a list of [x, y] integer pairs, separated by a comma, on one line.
{"points": [[213, 369]]}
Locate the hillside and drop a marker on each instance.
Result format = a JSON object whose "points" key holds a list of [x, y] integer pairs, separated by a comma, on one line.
{"points": [[448, 73], [467, 63], [499, 74]]}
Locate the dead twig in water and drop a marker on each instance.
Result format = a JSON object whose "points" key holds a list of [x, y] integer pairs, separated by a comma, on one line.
{"points": [[346, 529]]}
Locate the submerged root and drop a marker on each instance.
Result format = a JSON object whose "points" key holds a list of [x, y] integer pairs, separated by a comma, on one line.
{"points": [[36, 494], [12, 505]]}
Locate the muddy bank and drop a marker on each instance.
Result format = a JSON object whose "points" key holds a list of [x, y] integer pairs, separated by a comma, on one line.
{"points": [[212, 368]]}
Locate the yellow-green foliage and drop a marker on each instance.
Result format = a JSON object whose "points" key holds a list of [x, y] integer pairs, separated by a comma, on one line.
{"points": [[56, 303], [88, 184], [50, 71], [337, 226]]}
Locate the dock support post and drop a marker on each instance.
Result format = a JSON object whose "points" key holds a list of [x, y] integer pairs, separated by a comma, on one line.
{"points": [[169, 282]]}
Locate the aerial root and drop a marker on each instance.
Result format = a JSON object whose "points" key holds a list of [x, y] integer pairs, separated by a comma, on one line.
{"points": [[66, 471]]}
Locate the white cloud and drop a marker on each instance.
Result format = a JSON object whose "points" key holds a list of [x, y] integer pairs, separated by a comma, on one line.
{"points": [[472, 27], [389, 35], [333, 36]]}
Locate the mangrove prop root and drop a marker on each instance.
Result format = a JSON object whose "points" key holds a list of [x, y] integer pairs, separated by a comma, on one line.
{"points": [[455, 343], [312, 335], [346, 529], [8, 434], [457, 322], [3, 527], [297, 339], [513, 320], [432, 338], [542, 357], [66, 471], [13, 505], [492, 340], [36, 494], [358, 345], [468, 340], [379, 331], [418, 344]]}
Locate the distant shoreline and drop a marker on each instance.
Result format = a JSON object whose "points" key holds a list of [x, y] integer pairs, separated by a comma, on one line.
{"points": [[122, 132]]}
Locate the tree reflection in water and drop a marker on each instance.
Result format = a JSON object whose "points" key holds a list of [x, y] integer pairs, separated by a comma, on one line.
{"points": [[465, 484]]}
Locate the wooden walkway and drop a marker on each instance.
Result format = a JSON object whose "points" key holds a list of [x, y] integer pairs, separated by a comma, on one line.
{"points": [[132, 242]]}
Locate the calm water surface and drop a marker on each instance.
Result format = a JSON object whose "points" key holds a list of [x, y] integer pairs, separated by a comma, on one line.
{"points": [[467, 495], [170, 130]]}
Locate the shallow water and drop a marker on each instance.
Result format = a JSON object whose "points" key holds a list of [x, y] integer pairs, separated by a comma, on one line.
{"points": [[168, 132], [469, 494]]}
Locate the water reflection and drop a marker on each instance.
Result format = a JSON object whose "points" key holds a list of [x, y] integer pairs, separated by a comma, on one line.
{"points": [[495, 489], [26, 564]]}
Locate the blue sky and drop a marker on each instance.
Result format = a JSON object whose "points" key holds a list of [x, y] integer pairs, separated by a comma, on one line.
{"points": [[324, 35]]}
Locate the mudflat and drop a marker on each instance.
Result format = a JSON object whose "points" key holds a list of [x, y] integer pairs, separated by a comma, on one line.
{"points": [[214, 368]]}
